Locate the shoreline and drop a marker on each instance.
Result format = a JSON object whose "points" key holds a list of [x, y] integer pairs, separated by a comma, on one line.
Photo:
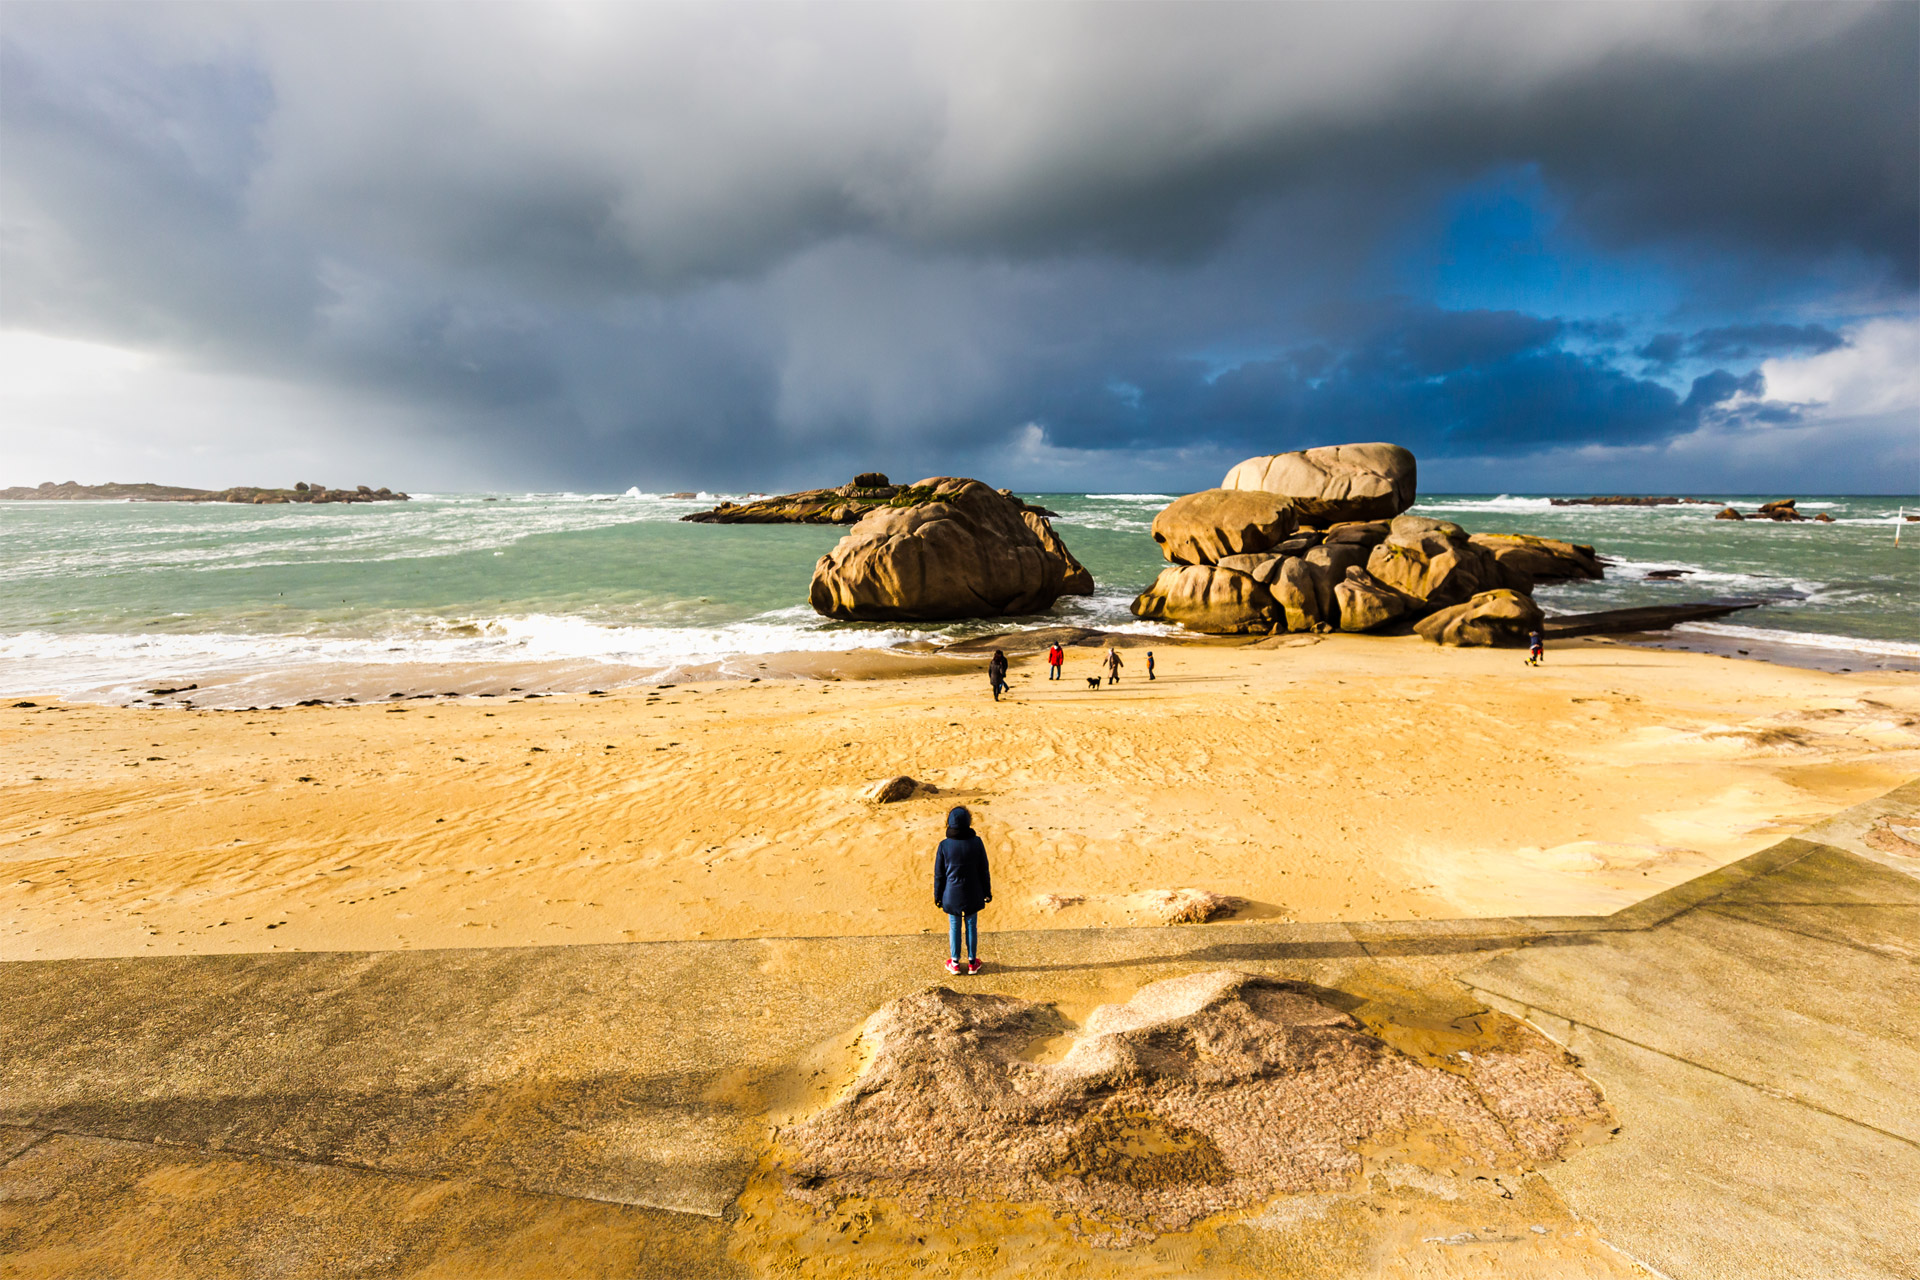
{"points": [[339, 683], [1317, 779], [1732, 641]]}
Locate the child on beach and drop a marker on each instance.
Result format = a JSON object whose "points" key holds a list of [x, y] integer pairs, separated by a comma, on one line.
{"points": [[1056, 657], [1113, 666], [997, 674], [1536, 649], [961, 886], [1149, 664]]}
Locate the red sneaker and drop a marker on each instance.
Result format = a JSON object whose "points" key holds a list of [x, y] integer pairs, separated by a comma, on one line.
{"points": [[973, 966], [953, 966]]}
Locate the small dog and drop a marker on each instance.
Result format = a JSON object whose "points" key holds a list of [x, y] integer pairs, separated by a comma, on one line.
{"points": [[1093, 682]]}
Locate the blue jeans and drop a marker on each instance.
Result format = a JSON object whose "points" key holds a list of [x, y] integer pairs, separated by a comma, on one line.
{"points": [[972, 931]]}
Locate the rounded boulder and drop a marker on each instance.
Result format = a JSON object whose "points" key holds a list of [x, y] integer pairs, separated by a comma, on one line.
{"points": [[1207, 598], [962, 550], [1501, 617], [1209, 526], [1336, 482]]}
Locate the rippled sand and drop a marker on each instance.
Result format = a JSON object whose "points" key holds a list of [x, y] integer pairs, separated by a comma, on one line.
{"points": [[1352, 778]]}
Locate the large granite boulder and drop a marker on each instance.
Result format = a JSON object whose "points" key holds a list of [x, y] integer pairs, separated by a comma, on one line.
{"points": [[1206, 527], [1358, 533], [1078, 581], [1261, 564], [1526, 560], [1334, 483], [1366, 604], [1331, 560], [1433, 562], [1301, 595], [1205, 597], [962, 550], [1500, 617]]}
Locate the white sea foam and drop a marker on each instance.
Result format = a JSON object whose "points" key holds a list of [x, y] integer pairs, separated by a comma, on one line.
{"points": [[282, 536], [1129, 497], [120, 668], [1726, 581], [1805, 639], [1504, 502]]}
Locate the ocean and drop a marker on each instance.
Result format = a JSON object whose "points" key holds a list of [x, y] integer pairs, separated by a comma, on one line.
{"points": [[107, 601]]}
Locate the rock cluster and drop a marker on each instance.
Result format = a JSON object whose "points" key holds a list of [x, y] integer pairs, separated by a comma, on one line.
{"points": [[314, 493], [1250, 561], [1782, 510], [959, 550], [1202, 1094]]}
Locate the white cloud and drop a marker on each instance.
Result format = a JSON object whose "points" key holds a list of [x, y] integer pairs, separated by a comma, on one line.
{"points": [[1877, 372], [91, 412]]}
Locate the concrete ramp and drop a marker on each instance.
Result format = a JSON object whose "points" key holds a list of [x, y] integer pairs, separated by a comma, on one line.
{"points": [[612, 1110]]}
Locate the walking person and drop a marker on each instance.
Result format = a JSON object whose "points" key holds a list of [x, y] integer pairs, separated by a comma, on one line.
{"points": [[1536, 649], [1149, 664], [997, 674], [1056, 658], [1113, 666], [961, 886]]}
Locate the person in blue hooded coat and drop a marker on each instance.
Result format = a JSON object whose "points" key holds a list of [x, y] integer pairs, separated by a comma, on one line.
{"points": [[961, 886]]}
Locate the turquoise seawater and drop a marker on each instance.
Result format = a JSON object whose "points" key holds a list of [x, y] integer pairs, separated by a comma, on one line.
{"points": [[101, 600]]}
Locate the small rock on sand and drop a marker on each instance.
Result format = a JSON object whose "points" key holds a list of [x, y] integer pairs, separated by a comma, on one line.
{"points": [[1186, 906], [894, 790], [1160, 906]]}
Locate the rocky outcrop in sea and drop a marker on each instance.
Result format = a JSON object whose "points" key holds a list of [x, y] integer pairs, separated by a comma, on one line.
{"points": [[867, 492], [1334, 550]]}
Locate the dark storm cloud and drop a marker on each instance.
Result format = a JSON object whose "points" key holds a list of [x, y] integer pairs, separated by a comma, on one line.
{"points": [[1446, 384], [1806, 150], [1751, 341], [1129, 129], [1741, 342], [714, 244]]}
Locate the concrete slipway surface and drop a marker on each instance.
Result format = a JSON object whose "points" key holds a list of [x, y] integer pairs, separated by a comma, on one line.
{"points": [[608, 1110]]}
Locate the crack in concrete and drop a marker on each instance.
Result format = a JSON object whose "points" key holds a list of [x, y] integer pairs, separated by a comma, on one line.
{"points": [[350, 1166], [1772, 1091]]}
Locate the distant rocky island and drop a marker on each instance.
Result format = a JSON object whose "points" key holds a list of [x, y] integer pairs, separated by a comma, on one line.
{"points": [[113, 491], [868, 491], [1780, 511]]}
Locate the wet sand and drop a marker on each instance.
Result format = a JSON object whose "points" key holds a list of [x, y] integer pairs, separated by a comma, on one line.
{"points": [[1338, 779]]}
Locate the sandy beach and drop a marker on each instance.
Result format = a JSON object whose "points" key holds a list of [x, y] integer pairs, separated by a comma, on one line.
{"points": [[1320, 779]]}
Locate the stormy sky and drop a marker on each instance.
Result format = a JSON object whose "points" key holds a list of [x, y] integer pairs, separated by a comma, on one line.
{"points": [[1557, 247]]}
